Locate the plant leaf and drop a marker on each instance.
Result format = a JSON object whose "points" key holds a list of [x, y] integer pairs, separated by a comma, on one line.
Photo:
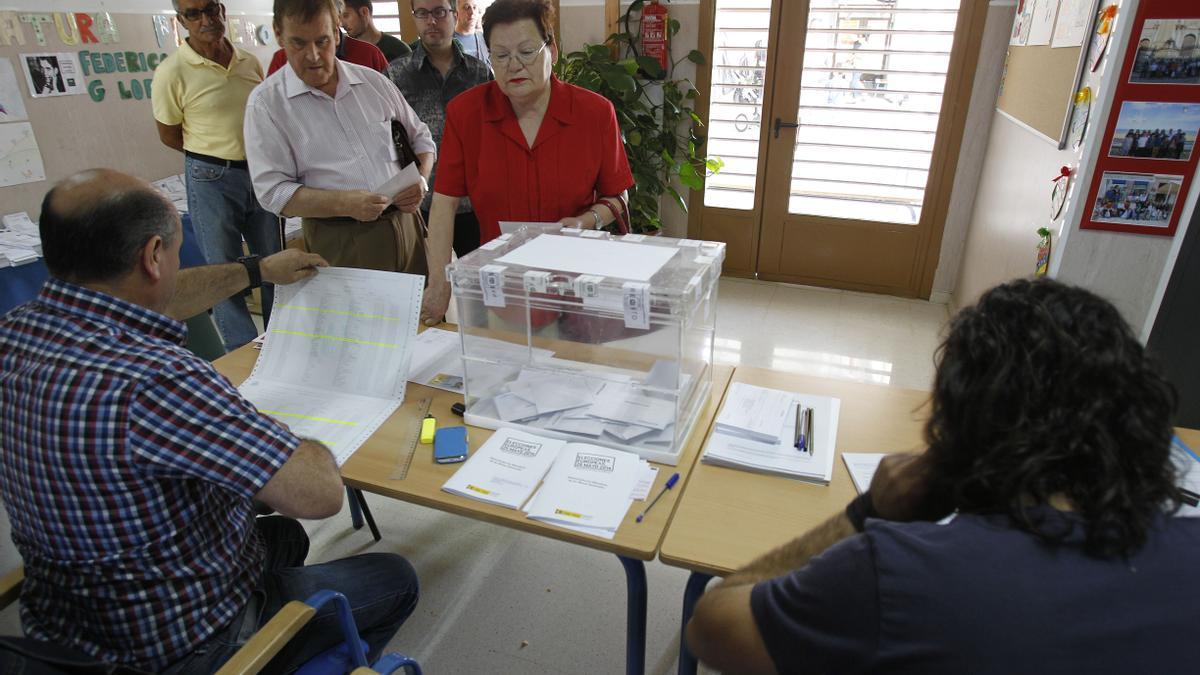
{"points": [[672, 27], [696, 57], [652, 67]]}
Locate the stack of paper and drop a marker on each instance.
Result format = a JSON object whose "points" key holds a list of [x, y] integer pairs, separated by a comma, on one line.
{"points": [[338, 346], [739, 450], [175, 189], [754, 412], [437, 358], [583, 487], [20, 240], [589, 489]]}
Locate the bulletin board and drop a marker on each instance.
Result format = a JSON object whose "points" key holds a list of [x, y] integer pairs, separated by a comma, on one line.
{"points": [[1148, 155], [1040, 83], [110, 124]]}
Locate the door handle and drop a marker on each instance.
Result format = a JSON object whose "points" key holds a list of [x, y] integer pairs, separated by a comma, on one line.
{"points": [[780, 124]]}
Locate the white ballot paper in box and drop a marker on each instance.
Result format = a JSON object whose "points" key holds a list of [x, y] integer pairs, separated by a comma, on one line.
{"points": [[588, 486], [408, 177], [506, 469], [509, 227], [338, 349]]}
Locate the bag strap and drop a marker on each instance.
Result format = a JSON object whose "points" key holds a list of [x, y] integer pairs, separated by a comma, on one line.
{"points": [[620, 210]]}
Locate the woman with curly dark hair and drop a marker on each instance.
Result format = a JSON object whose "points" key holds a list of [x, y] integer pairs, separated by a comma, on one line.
{"points": [[1036, 533]]}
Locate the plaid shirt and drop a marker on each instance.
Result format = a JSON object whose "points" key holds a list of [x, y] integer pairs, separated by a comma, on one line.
{"points": [[428, 93], [128, 469]]}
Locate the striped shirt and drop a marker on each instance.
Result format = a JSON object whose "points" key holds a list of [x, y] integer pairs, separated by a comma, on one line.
{"points": [[297, 135], [128, 475]]}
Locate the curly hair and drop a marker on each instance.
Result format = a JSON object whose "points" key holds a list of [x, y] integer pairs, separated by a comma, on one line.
{"points": [[1043, 390]]}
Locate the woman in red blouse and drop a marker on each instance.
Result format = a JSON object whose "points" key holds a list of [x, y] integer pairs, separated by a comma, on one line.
{"points": [[526, 147]]}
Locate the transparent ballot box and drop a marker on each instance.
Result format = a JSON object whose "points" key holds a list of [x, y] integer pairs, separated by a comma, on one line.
{"points": [[589, 337]]}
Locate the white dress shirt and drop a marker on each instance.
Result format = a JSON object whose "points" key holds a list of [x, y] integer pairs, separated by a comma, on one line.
{"points": [[297, 135]]}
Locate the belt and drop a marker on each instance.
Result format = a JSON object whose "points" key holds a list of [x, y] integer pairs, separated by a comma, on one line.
{"points": [[347, 219], [227, 163]]}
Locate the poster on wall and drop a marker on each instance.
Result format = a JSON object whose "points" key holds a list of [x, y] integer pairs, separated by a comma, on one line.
{"points": [[12, 106], [1042, 17], [1167, 52], [20, 157], [1071, 24], [1148, 160], [1022, 23], [52, 74]]}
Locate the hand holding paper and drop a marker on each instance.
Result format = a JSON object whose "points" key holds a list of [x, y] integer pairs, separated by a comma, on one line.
{"points": [[407, 178]]}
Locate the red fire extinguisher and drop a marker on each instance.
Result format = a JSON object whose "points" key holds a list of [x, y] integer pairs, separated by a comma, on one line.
{"points": [[654, 33]]}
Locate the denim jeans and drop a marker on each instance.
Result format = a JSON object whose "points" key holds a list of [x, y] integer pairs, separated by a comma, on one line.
{"points": [[224, 210], [381, 587]]}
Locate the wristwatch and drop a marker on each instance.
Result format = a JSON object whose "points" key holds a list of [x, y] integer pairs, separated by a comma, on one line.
{"points": [[251, 263]]}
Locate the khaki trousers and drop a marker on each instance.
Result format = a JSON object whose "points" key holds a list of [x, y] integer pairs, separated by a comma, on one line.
{"points": [[391, 244]]}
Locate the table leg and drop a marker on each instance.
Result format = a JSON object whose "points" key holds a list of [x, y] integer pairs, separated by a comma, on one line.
{"points": [[366, 512], [355, 512], [691, 595], [635, 618]]}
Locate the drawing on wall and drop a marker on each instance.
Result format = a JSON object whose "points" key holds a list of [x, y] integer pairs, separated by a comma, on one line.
{"points": [[1155, 131], [20, 158], [1142, 199], [52, 74], [1167, 52], [12, 106], [1070, 27], [165, 30], [1022, 23]]}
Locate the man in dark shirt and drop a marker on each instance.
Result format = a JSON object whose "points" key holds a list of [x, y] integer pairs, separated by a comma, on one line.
{"points": [[359, 22], [1050, 441], [437, 71]]}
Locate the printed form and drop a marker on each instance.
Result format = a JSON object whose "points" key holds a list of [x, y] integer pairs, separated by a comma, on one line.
{"points": [[337, 351]]}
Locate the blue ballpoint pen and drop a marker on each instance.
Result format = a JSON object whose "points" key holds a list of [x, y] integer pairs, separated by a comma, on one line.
{"points": [[670, 484], [801, 428]]}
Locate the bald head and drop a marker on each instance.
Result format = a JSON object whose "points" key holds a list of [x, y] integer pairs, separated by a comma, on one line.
{"points": [[94, 223]]}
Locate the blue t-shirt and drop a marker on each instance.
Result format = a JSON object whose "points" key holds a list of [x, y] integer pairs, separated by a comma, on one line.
{"points": [[978, 596]]}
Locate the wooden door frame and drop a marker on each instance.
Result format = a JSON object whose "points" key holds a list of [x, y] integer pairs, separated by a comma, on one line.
{"points": [[960, 78]]}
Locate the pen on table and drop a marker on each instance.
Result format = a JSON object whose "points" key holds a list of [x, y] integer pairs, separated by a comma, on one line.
{"points": [[670, 484], [799, 440], [809, 420]]}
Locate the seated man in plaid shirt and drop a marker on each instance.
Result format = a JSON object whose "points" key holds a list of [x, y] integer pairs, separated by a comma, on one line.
{"points": [[130, 466]]}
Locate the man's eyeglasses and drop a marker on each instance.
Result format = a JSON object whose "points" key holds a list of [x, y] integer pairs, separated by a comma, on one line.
{"points": [[438, 13], [212, 10], [525, 56]]}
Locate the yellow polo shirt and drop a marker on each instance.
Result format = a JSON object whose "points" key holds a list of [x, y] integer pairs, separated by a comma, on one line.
{"points": [[207, 99]]}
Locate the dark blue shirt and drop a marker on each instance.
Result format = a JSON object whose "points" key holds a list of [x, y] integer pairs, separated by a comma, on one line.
{"points": [[979, 596]]}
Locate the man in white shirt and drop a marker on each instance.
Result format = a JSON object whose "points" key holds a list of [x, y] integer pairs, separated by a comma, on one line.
{"points": [[319, 143]]}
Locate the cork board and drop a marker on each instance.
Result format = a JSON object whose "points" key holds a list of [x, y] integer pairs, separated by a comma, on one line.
{"points": [[1039, 87], [76, 132]]}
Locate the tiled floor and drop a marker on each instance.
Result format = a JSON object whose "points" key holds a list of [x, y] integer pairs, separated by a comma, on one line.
{"points": [[499, 601]]}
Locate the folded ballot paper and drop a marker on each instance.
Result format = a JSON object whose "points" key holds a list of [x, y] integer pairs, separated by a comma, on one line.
{"points": [[583, 487], [781, 457]]}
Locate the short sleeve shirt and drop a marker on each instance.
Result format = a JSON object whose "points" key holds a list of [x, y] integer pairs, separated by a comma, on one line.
{"points": [[977, 595], [577, 156], [129, 470], [208, 99]]}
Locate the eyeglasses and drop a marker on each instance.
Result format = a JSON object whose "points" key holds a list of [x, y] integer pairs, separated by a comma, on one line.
{"points": [[526, 57], [438, 13], [212, 10]]}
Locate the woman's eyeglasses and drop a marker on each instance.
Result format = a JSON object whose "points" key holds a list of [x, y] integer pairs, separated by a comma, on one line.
{"points": [[525, 56], [212, 10], [438, 13]]}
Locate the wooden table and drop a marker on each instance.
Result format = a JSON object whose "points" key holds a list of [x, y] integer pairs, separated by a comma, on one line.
{"points": [[370, 467], [729, 517]]}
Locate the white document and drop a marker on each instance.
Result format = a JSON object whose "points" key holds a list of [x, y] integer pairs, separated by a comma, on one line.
{"points": [[12, 105], [52, 74], [16, 257], [20, 223], [437, 360], [510, 226], [861, 466], [588, 485], [408, 177], [1070, 27], [624, 403], [337, 351], [645, 482], [637, 262], [1044, 12], [20, 158], [506, 469], [783, 458], [756, 413]]}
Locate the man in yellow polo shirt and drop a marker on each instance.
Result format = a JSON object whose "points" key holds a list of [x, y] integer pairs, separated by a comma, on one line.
{"points": [[199, 99]]}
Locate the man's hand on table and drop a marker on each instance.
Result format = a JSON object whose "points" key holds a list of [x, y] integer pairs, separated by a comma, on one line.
{"points": [[903, 489]]}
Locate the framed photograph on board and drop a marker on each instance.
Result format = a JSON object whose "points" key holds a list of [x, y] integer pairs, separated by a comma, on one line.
{"points": [[1167, 52]]}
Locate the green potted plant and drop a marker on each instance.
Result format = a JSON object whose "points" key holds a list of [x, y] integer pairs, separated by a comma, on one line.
{"points": [[662, 132]]}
